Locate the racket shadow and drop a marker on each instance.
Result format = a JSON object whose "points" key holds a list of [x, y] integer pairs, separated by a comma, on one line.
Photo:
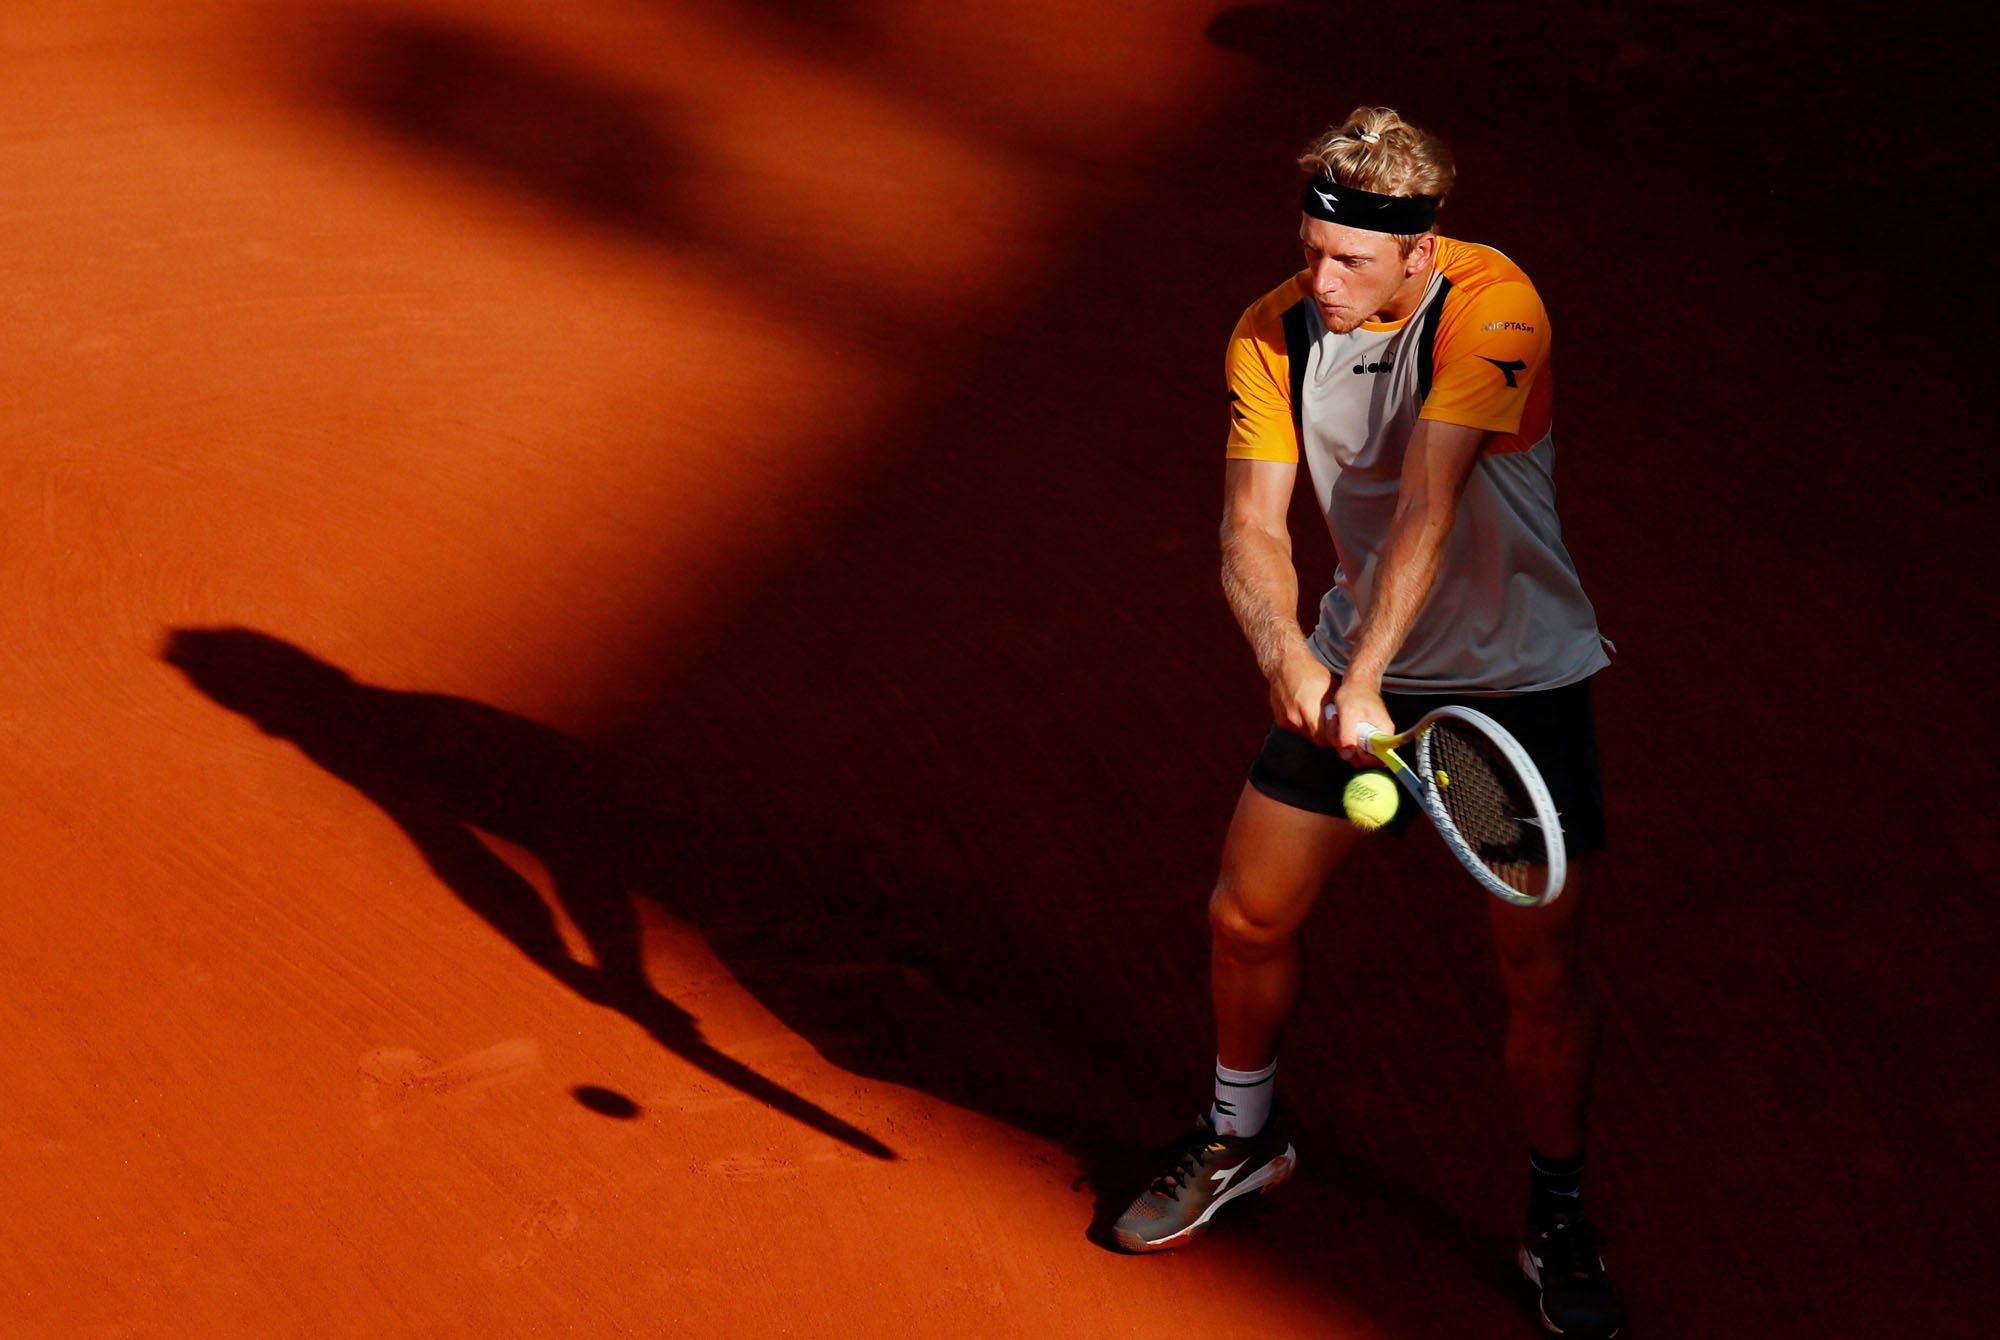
{"points": [[445, 769]]}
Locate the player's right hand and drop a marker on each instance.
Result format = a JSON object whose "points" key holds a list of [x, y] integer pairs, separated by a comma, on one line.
{"points": [[1356, 705], [1300, 690]]}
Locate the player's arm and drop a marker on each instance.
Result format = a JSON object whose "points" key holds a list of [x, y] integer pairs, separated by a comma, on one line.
{"points": [[1262, 588], [1439, 461]]}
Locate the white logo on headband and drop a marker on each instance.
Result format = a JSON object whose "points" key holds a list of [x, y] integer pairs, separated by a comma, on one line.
{"points": [[1326, 196]]}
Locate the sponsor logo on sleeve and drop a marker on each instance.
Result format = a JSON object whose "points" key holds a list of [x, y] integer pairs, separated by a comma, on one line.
{"points": [[1508, 325], [1509, 368]]}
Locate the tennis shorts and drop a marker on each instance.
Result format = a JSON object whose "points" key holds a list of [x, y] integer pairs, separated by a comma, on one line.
{"points": [[1558, 728]]}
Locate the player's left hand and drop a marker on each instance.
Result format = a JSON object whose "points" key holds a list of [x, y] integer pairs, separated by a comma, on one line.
{"points": [[1356, 705]]}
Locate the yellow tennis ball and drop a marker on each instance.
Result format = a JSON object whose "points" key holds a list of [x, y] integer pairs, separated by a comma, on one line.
{"points": [[1370, 799]]}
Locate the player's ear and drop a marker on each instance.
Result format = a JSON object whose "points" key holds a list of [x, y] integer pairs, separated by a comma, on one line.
{"points": [[1420, 254]]}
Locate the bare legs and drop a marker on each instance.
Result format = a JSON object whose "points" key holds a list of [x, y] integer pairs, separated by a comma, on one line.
{"points": [[1276, 860], [1274, 863], [1551, 1022]]}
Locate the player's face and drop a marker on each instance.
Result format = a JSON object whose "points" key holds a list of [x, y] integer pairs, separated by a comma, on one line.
{"points": [[1356, 275]]}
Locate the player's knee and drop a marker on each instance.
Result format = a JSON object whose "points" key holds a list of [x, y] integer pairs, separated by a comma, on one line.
{"points": [[1549, 984], [1240, 928]]}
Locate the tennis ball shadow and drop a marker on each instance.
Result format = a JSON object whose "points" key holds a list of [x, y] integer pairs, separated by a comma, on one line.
{"points": [[606, 1102]]}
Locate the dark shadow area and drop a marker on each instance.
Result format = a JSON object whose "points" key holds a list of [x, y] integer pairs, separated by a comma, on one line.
{"points": [[445, 769], [517, 116], [1793, 110], [606, 1102], [823, 19]]}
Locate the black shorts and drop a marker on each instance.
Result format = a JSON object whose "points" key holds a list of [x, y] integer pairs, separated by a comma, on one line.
{"points": [[1558, 728]]}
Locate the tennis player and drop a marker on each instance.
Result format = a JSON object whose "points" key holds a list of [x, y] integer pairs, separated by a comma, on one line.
{"points": [[1411, 372]]}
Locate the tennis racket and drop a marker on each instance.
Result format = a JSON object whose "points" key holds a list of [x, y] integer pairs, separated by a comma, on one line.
{"points": [[1486, 798]]}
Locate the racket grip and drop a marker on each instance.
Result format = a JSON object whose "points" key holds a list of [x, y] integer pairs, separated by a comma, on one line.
{"points": [[1378, 746]]}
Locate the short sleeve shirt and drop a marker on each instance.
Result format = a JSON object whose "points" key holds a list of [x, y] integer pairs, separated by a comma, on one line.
{"points": [[1507, 613]]}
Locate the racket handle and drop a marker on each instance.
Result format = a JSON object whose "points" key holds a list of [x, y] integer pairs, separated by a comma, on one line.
{"points": [[1369, 737], [1378, 745]]}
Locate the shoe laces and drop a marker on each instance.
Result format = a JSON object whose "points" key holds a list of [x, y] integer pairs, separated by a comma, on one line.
{"points": [[1193, 1160], [1570, 1247]]}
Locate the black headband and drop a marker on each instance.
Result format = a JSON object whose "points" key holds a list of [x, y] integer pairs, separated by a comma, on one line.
{"points": [[1403, 215]]}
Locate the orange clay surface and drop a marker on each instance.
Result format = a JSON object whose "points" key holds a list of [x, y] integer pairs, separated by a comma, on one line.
{"points": [[616, 719]]}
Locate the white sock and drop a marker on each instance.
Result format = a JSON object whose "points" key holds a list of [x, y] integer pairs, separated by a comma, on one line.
{"points": [[1242, 1099]]}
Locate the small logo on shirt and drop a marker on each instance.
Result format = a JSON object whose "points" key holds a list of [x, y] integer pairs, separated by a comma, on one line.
{"points": [[1508, 325], [1236, 408], [1510, 367], [1384, 366]]}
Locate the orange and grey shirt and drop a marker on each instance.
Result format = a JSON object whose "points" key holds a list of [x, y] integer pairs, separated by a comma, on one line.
{"points": [[1507, 613]]}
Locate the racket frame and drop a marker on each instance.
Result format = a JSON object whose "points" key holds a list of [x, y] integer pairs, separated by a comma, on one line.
{"points": [[1423, 789]]}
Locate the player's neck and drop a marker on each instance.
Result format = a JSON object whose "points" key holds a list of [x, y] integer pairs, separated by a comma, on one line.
{"points": [[1408, 294]]}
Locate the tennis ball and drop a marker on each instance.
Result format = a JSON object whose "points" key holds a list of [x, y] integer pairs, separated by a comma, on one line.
{"points": [[1370, 799]]}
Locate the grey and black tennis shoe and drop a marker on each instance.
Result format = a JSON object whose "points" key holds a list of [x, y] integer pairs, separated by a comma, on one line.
{"points": [[1209, 1171], [1578, 1300]]}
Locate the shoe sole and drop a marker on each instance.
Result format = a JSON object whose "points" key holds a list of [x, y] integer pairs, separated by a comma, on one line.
{"points": [[1266, 1177], [1533, 1275]]}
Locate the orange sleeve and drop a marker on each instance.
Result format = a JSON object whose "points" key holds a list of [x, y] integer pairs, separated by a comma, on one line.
{"points": [[1259, 373], [1492, 361]]}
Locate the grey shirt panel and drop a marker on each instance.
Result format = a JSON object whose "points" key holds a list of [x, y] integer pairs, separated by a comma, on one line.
{"points": [[1507, 613]]}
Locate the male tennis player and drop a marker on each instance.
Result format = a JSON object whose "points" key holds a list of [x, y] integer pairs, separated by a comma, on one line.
{"points": [[1411, 371]]}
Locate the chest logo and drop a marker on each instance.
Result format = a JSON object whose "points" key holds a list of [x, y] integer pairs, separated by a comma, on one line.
{"points": [[1385, 365], [1509, 368]]}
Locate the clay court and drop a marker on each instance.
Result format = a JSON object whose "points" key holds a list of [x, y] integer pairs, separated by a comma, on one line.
{"points": [[619, 716]]}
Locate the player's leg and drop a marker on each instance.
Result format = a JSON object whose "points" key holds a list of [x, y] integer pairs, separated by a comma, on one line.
{"points": [[1552, 1025], [1551, 1054], [1551, 1021], [1276, 859]]}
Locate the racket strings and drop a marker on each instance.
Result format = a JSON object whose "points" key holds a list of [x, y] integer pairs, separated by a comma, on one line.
{"points": [[1486, 800]]}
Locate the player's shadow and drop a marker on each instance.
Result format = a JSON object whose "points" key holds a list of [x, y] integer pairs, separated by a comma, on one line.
{"points": [[446, 769]]}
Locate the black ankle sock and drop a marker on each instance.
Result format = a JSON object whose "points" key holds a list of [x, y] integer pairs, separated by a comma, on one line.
{"points": [[1555, 1186]]}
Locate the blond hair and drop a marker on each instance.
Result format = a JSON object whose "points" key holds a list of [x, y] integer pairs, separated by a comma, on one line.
{"points": [[1375, 149]]}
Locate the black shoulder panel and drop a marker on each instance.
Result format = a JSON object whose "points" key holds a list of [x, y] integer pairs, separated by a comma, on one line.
{"points": [[1427, 334], [1298, 344]]}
